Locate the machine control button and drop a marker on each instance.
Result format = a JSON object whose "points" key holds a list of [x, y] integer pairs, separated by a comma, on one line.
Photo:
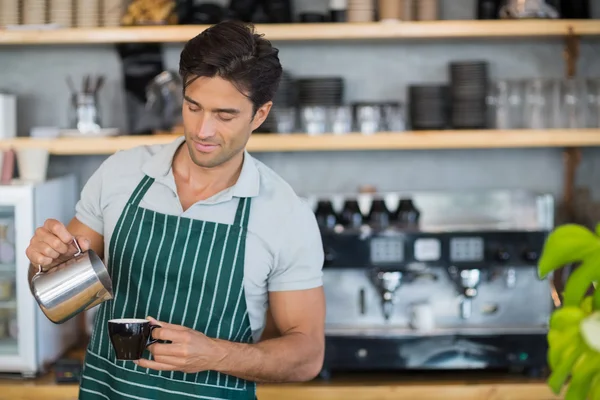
{"points": [[466, 249], [427, 249], [530, 255], [362, 353]]}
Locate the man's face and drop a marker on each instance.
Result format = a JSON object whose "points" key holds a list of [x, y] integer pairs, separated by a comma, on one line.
{"points": [[218, 121]]}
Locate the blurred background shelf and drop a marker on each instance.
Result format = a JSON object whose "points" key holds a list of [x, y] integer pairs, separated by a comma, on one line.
{"points": [[416, 140], [311, 31]]}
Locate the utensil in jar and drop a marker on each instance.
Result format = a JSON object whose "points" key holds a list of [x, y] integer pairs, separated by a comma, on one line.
{"points": [[73, 286]]}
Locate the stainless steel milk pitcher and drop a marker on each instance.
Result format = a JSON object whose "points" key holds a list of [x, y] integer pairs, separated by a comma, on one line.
{"points": [[76, 285]]}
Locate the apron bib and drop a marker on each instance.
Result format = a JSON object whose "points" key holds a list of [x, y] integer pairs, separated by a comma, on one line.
{"points": [[178, 270]]}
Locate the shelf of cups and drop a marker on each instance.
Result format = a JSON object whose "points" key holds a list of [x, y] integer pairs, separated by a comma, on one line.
{"points": [[298, 142], [312, 31]]}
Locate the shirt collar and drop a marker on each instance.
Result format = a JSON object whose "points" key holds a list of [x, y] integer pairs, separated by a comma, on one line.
{"points": [[159, 167]]}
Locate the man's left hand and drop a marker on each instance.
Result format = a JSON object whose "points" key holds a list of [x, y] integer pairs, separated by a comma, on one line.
{"points": [[190, 351]]}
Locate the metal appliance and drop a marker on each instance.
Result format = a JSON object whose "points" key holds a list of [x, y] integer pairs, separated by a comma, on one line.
{"points": [[454, 288]]}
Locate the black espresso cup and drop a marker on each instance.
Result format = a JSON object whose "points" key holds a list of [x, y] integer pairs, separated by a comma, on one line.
{"points": [[130, 337]]}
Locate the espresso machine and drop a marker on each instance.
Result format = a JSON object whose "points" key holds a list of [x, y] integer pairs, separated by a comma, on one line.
{"points": [[435, 280]]}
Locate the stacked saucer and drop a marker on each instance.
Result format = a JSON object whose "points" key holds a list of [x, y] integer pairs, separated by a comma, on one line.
{"points": [[286, 95], [61, 13], [469, 88], [34, 12], [112, 11], [87, 13], [323, 91], [9, 13], [428, 107], [361, 10]]}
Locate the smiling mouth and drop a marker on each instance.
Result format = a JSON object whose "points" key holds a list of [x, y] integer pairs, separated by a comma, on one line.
{"points": [[205, 147]]}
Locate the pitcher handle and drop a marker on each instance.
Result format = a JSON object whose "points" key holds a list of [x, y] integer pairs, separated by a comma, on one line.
{"points": [[79, 252]]}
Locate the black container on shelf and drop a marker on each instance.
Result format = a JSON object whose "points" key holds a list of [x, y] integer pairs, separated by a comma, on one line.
{"points": [[575, 9], [326, 215], [407, 215], [488, 9], [379, 215], [351, 216]]}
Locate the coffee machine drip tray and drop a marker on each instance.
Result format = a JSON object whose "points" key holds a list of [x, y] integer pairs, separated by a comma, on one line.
{"points": [[409, 333]]}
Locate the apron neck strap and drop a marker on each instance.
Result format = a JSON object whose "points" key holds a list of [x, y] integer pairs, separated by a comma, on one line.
{"points": [[242, 215], [140, 190]]}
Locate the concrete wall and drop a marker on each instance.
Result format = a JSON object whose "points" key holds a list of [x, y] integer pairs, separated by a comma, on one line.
{"points": [[372, 70]]}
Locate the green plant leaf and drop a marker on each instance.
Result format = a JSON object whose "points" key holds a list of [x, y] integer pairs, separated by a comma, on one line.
{"points": [[566, 317], [581, 279], [586, 305], [563, 370], [567, 244]]}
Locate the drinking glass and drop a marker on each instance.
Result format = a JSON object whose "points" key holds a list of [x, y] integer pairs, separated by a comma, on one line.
{"points": [[314, 119], [368, 118], [285, 119], [593, 103], [340, 119], [505, 104], [542, 104], [573, 102]]}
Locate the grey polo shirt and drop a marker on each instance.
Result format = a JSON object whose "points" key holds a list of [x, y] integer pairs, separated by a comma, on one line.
{"points": [[283, 246]]}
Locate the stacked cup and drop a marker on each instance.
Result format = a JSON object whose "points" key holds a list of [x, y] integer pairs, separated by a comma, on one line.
{"points": [[361, 10], [61, 13], [88, 13], [427, 10], [390, 10], [9, 13], [112, 11], [34, 12]]}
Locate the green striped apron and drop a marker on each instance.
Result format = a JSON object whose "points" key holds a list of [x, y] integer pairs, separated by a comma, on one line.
{"points": [[182, 271]]}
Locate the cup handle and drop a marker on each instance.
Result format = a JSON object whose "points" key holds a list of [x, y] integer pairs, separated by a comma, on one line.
{"points": [[79, 252], [152, 341]]}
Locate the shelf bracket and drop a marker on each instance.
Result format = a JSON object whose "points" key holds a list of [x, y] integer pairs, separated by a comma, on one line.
{"points": [[571, 156], [571, 52]]}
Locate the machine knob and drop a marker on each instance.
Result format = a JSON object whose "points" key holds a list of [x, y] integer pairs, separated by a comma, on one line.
{"points": [[502, 255], [530, 255], [362, 353]]}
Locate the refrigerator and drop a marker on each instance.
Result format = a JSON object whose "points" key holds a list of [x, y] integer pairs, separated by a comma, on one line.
{"points": [[30, 342]]}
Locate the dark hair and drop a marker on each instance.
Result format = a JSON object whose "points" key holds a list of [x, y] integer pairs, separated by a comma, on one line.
{"points": [[232, 51]]}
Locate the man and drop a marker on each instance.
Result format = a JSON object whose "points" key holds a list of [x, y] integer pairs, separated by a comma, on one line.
{"points": [[201, 238]]}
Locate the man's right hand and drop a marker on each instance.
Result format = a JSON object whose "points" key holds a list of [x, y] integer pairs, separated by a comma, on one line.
{"points": [[53, 244]]}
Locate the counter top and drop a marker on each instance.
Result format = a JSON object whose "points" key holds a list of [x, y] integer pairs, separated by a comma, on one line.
{"points": [[359, 387], [356, 386]]}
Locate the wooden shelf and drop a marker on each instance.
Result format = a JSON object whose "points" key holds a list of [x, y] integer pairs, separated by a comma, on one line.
{"points": [[325, 31], [418, 140]]}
